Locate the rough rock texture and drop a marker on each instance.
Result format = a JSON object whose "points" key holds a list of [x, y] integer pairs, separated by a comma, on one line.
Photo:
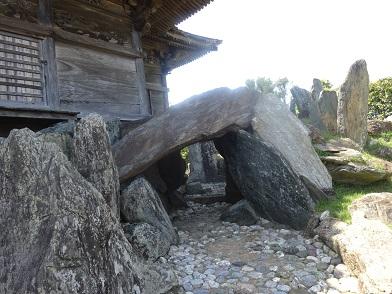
{"points": [[233, 194], [58, 234], [365, 247], [205, 164], [147, 240], [376, 127], [317, 88], [300, 102], [374, 206], [140, 203], [266, 179], [196, 119], [275, 124], [350, 166], [353, 103], [328, 105], [240, 213], [93, 158], [213, 114], [172, 171], [2, 140]]}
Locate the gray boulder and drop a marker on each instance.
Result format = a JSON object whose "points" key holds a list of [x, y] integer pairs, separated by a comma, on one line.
{"points": [[317, 88], [300, 102], [147, 240], [374, 206], [140, 203], [328, 105], [2, 140], [240, 213], [58, 233], [308, 110], [273, 123], [353, 104], [266, 179], [205, 164], [93, 158]]}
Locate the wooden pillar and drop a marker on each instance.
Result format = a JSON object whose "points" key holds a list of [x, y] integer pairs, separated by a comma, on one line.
{"points": [[145, 103], [46, 17]]}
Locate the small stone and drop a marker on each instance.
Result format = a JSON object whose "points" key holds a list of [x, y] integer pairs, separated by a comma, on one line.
{"points": [[341, 271], [247, 268], [270, 284], [283, 288], [326, 214]]}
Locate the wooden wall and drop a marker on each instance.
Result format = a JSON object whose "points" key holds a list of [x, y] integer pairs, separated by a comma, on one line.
{"points": [[90, 80], [156, 88]]}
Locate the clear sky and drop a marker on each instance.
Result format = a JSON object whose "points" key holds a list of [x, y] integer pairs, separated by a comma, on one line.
{"points": [[299, 39]]}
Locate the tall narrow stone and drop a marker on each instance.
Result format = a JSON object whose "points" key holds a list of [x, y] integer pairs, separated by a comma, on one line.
{"points": [[328, 105], [353, 103]]}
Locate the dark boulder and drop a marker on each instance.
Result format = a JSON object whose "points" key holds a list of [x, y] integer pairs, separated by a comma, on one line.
{"points": [[147, 240], [140, 203], [266, 179], [58, 233], [240, 213]]}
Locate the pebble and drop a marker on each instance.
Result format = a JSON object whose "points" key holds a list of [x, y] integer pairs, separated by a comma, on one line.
{"points": [[273, 260]]}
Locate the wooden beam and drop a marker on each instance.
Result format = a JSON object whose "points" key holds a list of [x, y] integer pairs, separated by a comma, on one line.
{"points": [[17, 26], [36, 113], [145, 103], [156, 87], [60, 34], [45, 12]]}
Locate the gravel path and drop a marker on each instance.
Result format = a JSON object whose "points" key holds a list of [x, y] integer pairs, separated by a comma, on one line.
{"points": [[219, 257]]}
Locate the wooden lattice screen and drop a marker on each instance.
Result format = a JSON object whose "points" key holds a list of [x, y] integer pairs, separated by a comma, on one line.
{"points": [[21, 70]]}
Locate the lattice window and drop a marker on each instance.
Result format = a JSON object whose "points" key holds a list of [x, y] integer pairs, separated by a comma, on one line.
{"points": [[21, 70]]}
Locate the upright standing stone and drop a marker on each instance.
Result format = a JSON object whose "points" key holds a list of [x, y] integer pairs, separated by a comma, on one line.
{"points": [[94, 160], [204, 163], [328, 105], [317, 88], [353, 103]]}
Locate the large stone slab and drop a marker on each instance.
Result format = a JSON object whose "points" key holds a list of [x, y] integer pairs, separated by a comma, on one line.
{"points": [[266, 179], [365, 247], [198, 118], [214, 114], [274, 123], [58, 233], [374, 206], [353, 103]]}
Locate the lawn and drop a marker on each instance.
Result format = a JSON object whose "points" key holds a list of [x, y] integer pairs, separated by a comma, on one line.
{"points": [[346, 194]]}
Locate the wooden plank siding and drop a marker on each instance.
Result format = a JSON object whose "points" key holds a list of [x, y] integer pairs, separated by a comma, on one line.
{"points": [[92, 80], [156, 88]]}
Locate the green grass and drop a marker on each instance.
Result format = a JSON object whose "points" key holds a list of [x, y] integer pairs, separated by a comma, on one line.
{"points": [[346, 194], [382, 141]]}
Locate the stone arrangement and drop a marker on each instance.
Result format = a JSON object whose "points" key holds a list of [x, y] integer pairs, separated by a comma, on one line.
{"points": [[219, 257]]}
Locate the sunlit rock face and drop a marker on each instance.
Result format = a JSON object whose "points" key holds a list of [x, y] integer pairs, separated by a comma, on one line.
{"points": [[353, 103], [58, 233]]}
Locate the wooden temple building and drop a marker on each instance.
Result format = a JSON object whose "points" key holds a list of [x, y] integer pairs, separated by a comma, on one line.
{"points": [[62, 59]]}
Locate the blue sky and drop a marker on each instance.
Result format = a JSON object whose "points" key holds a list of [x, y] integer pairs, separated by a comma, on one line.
{"points": [[299, 39]]}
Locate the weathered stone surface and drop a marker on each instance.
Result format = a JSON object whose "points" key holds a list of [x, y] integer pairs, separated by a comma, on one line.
{"points": [[317, 88], [213, 114], [365, 247], [196, 119], [233, 194], [93, 158], [353, 103], [206, 166], [58, 234], [328, 105], [140, 203], [274, 124], [376, 127], [147, 240], [349, 166], [266, 179], [300, 102], [240, 213], [2, 140], [374, 206]]}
